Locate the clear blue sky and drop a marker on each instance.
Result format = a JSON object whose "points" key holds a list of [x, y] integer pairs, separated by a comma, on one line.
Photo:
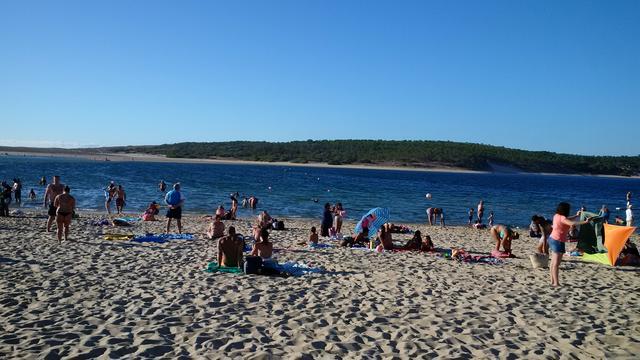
{"points": [[544, 75]]}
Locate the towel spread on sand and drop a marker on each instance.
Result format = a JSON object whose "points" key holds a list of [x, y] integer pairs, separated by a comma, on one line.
{"points": [[321, 246], [101, 222], [213, 267], [162, 238], [118, 236]]}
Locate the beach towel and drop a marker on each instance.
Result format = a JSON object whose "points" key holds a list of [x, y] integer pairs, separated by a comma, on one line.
{"points": [[118, 236], [297, 268], [321, 246], [162, 238], [213, 267], [101, 222]]}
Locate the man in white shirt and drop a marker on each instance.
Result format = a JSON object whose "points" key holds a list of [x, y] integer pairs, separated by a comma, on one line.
{"points": [[629, 215]]}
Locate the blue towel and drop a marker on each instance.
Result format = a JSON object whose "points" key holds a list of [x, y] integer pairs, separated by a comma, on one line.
{"points": [[162, 238]]}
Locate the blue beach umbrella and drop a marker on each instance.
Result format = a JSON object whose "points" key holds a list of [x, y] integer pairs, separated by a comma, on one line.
{"points": [[375, 218]]}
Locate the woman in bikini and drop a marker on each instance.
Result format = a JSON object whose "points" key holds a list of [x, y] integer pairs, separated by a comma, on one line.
{"points": [[65, 204], [503, 236]]}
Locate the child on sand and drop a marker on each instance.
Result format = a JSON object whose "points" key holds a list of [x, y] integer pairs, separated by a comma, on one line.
{"points": [[313, 237]]}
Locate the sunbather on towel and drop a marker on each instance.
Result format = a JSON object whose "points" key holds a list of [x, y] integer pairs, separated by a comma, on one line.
{"points": [[230, 249], [415, 243]]}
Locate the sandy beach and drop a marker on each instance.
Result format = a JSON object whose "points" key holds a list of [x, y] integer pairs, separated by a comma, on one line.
{"points": [[91, 297]]}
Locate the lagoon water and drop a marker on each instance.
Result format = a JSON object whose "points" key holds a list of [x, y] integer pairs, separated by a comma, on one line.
{"points": [[289, 190]]}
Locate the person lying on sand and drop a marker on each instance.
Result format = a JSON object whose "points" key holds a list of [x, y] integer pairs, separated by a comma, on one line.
{"points": [[503, 236], [415, 243], [230, 249], [362, 239], [216, 229], [263, 248], [65, 204]]}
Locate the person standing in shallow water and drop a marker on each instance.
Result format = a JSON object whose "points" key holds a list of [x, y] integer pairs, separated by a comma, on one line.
{"points": [[121, 199], [480, 210], [162, 186]]}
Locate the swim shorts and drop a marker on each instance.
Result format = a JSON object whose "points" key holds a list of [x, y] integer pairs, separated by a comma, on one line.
{"points": [[556, 246], [175, 213], [52, 210]]}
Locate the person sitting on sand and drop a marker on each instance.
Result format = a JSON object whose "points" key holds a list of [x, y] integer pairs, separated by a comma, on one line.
{"points": [[545, 229], [151, 212], [384, 236], [220, 211], [629, 256], [313, 237], [230, 249], [263, 248], [415, 243], [121, 199], [503, 235], [264, 221], [65, 205], [216, 229]]}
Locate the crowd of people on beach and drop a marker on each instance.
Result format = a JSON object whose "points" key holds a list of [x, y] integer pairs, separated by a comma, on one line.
{"points": [[553, 234]]}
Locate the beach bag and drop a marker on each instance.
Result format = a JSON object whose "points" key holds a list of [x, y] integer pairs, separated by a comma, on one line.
{"points": [[539, 261], [252, 264], [279, 225], [172, 197]]}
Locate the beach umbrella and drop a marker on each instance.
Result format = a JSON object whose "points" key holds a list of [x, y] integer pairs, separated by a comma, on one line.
{"points": [[614, 239], [373, 219]]}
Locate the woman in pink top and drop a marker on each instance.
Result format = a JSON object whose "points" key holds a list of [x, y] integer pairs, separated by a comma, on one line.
{"points": [[562, 222]]}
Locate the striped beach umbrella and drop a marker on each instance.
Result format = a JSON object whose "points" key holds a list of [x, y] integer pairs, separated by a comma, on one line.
{"points": [[373, 220]]}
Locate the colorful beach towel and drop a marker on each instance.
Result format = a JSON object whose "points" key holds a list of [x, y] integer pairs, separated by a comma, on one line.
{"points": [[162, 238], [118, 236], [213, 267]]}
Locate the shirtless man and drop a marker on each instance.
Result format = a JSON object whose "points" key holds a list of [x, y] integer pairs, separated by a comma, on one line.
{"points": [[480, 210], [64, 204], [109, 193], [162, 186], [230, 249], [53, 190], [121, 199]]}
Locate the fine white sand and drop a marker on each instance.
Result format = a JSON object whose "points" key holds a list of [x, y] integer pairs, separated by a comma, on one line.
{"points": [[90, 297]]}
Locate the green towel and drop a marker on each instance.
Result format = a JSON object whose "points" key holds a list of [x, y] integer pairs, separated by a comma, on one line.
{"points": [[213, 268]]}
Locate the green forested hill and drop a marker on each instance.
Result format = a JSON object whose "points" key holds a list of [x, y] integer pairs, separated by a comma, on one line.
{"points": [[399, 153]]}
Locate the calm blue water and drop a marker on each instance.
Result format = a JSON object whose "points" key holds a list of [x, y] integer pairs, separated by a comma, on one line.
{"points": [[513, 197]]}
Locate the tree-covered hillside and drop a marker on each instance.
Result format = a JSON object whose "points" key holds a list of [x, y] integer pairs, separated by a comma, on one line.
{"points": [[400, 153]]}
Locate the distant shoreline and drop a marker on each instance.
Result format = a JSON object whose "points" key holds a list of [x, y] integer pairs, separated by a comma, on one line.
{"points": [[132, 157]]}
